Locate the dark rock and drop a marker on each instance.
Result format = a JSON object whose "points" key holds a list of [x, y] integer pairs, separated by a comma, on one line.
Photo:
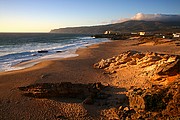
{"points": [[46, 90], [43, 51], [154, 102], [66, 89]]}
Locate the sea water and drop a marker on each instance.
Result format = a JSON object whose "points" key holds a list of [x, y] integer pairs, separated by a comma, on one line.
{"points": [[16, 48]]}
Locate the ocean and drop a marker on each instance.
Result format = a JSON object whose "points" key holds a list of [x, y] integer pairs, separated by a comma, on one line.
{"points": [[16, 48]]}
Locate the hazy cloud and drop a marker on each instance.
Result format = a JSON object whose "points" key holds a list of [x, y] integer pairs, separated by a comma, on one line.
{"points": [[150, 17], [156, 17]]}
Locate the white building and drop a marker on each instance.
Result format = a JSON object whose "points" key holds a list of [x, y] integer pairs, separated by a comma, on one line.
{"points": [[110, 32], [142, 33], [134, 33], [107, 32], [176, 35]]}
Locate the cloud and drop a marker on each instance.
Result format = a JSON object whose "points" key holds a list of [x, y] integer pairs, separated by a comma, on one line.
{"points": [[150, 17], [156, 17]]}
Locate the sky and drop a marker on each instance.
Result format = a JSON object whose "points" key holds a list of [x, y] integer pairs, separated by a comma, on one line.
{"points": [[44, 15]]}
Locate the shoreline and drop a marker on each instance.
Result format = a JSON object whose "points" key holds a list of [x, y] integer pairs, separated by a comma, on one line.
{"points": [[39, 64], [75, 70], [53, 57], [62, 45]]}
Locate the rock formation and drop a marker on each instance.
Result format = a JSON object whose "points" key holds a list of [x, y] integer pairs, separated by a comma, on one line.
{"points": [[153, 92], [87, 92], [42, 51], [152, 66], [160, 100]]}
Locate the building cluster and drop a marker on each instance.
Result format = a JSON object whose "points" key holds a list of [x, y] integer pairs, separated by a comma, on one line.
{"points": [[176, 35], [143, 33]]}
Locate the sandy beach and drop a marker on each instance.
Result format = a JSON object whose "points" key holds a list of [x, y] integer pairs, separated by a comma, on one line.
{"points": [[13, 105]]}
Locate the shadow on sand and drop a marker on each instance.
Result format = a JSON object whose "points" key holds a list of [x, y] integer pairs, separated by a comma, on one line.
{"points": [[94, 97]]}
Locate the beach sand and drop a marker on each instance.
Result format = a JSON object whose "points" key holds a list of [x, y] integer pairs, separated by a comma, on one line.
{"points": [[76, 70]]}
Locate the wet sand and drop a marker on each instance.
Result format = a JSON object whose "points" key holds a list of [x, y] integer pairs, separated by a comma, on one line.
{"points": [[76, 70]]}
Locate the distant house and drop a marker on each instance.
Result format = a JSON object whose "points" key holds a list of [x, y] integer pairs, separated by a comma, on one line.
{"points": [[110, 32], [146, 33], [142, 33], [107, 32], [134, 33], [176, 35]]}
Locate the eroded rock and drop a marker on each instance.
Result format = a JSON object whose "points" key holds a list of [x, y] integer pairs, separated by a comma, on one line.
{"points": [[153, 64], [156, 77], [157, 102], [88, 92], [158, 99]]}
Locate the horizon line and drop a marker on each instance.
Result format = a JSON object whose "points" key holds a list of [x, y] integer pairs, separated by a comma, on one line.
{"points": [[24, 32]]}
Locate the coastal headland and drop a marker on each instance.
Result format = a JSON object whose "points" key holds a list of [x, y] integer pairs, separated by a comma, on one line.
{"points": [[111, 80]]}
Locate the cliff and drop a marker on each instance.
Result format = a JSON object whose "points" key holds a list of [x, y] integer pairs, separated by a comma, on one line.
{"points": [[128, 26]]}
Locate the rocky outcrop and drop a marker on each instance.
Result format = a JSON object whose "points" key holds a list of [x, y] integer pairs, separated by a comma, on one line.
{"points": [[86, 92], [155, 85], [158, 102], [151, 65]]}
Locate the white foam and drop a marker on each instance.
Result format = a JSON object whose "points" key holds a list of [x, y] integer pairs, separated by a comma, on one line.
{"points": [[60, 55], [12, 68], [69, 49]]}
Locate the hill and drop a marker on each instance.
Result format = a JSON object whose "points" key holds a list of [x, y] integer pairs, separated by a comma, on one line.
{"points": [[128, 26]]}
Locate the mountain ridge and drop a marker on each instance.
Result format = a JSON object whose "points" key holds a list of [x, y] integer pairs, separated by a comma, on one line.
{"points": [[124, 27]]}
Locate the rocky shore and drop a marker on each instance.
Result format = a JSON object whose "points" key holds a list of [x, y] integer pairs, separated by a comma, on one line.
{"points": [[154, 91], [151, 66], [126, 79]]}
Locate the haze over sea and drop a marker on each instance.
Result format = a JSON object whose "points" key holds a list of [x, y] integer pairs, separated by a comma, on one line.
{"points": [[20, 47]]}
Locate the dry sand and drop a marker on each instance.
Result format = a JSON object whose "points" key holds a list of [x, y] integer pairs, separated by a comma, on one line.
{"points": [[76, 70]]}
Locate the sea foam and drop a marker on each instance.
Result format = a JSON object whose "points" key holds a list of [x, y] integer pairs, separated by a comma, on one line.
{"points": [[18, 51]]}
